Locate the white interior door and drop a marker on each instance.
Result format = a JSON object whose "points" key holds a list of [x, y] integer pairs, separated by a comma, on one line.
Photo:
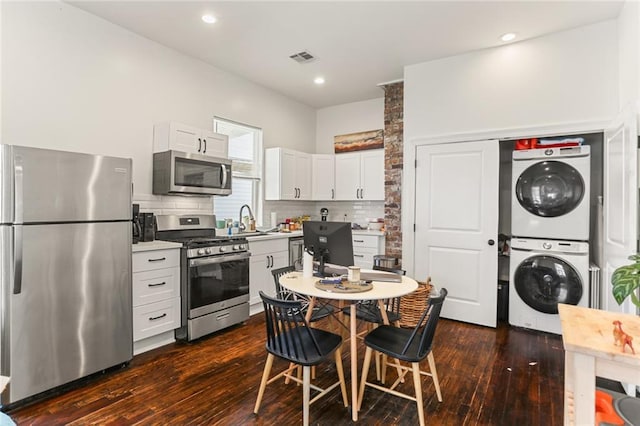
{"points": [[620, 203], [457, 226]]}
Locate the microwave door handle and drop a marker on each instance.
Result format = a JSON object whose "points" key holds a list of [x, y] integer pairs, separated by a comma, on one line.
{"points": [[223, 170]]}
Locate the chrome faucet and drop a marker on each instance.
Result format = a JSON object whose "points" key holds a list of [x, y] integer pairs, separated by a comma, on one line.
{"points": [[240, 224]]}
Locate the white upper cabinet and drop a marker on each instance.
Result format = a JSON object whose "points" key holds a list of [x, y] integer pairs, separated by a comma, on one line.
{"points": [[287, 174], [323, 177], [360, 176], [181, 137]]}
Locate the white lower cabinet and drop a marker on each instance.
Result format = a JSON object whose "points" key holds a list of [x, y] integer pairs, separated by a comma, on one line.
{"points": [[365, 247], [265, 257], [156, 298]]}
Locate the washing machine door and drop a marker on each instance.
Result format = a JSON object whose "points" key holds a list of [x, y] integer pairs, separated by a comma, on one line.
{"points": [[550, 188], [544, 281]]}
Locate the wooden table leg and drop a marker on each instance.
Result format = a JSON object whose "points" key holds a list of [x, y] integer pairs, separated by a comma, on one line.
{"points": [[583, 375], [354, 363]]}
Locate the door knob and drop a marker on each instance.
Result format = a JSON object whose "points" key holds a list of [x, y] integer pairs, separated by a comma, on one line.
{"points": [[491, 242]]}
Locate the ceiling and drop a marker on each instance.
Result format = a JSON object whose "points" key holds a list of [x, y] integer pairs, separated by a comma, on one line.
{"points": [[356, 45]]}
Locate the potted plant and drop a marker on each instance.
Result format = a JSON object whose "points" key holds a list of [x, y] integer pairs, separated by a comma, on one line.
{"points": [[626, 280]]}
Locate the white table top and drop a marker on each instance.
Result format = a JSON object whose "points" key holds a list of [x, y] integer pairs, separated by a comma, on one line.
{"points": [[295, 282]]}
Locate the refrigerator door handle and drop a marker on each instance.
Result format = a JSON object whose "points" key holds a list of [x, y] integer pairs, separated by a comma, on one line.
{"points": [[17, 259], [18, 188], [17, 230]]}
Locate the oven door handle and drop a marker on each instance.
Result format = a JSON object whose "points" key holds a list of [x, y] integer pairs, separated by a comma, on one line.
{"points": [[219, 259]]}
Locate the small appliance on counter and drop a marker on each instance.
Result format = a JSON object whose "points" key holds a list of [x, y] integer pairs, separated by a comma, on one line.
{"points": [[148, 226], [136, 228], [324, 212]]}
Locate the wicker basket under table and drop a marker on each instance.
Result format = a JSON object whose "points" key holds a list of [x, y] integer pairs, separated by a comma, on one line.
{"points": [[412, 306]]}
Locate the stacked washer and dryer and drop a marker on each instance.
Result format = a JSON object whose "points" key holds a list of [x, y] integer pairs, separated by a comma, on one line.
{"points": [[550, 234]]}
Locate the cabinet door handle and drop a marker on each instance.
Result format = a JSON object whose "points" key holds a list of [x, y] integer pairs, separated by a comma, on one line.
{"points": [[205, 146], [157, 284], [333, 194], [158, 317], [160, 259], [358, 255], [199, 144], [358, 241]]}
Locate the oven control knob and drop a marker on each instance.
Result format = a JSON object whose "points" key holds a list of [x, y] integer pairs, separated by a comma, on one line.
{"points": [[208, 251], [546, 246], [242, 247], [223, 249], [236, 248], [201, 251]]}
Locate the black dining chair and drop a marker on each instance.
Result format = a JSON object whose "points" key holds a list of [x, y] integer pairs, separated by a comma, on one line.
{"points": [[289, 337], [319, 312], [410, 346]]}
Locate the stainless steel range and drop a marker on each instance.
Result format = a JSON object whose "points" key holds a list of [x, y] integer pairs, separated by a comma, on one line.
{"points": [[214, 274]]}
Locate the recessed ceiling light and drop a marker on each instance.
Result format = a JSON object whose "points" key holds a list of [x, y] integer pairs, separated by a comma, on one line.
{"points": [[508, 37], [318, 80], [209, 19]]}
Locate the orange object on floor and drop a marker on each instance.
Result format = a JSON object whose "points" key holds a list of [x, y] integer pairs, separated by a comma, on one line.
{"points": [[605, 412]]}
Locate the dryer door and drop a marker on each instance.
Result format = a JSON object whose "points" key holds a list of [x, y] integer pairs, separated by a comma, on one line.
{"points": [[550, 189], [544, 281]]}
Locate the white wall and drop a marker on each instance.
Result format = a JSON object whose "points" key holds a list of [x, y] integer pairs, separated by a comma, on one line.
{"points": [[565, 77], [347, 118], [629, 50], [73, 81]]}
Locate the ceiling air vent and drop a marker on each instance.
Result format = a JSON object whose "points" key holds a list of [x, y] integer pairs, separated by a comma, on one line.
{"points": [[302, 57]]}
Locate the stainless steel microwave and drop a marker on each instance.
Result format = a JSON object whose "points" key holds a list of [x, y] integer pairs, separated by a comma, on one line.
{"points": [[181, 173]]}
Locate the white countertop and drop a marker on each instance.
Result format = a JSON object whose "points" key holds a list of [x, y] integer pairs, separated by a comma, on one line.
{"points": [[162, 245], [154, 245], [293, 234]]}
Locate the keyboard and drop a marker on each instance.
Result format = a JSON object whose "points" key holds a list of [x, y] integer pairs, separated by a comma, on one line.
{"points": [[381, 276]]}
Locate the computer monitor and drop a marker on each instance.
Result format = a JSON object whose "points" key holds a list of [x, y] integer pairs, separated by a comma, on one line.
{"points": [[329, 242]]}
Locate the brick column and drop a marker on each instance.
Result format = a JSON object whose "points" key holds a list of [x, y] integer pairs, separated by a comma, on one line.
{"points": [[393, 162]]}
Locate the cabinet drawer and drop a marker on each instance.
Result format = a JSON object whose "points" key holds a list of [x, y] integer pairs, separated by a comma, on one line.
{"points": [[155, 318], [365, 241], [363, 256], [155, 259], [156, 285], [269, 246]]}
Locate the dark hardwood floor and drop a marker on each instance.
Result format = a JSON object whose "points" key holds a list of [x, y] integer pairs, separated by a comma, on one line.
{"points": [[502, 376]]}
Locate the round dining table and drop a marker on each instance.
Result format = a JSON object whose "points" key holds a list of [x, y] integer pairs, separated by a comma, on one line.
{"points": [[380, 291]]}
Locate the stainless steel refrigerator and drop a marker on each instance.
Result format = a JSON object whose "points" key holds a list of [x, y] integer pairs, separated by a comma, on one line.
{"points": [[65, 253]]}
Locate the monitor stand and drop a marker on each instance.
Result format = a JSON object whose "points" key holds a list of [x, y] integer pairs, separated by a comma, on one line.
{"points": [[320, 254]]}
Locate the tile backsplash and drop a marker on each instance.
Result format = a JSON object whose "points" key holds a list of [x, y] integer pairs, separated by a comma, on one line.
{"points": [[166, 204], [348, 211]]}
